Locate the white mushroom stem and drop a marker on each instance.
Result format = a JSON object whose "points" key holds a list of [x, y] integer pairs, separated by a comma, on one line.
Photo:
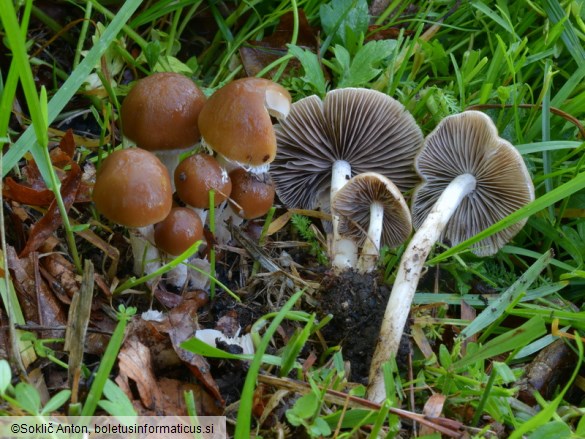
{"points": [[407, 278], [343, 250], [371, 248], [147, 258], [178, 276]]}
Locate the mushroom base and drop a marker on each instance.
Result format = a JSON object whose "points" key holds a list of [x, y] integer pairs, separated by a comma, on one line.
{"points": [[356, 302]]}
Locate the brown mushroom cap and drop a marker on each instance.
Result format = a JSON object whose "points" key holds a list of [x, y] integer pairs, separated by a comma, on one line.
{"points": [[235, 121], [196, 176], [366, 128], [161, 112], [133, 188], [252, 195], [178, 231], [353, 201], [469, 143]]}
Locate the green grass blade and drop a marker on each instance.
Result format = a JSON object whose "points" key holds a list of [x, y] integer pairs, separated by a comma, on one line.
{"points": [[498, 307], [509, 341], [565, 190], [69, 88], [200, 347], [107, 362], [556, 13], [552, 145], [504, 23], [244, 418]]}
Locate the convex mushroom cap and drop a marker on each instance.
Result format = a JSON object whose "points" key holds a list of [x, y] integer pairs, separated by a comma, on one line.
{"points": [[252, 194], [133, 188], [196, 176], [468, 143], [178, 231], [161, 111], [235, 122], [372, 211]]}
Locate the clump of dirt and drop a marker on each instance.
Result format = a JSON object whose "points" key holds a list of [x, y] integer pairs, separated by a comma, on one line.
{"points": [[357, 303]]}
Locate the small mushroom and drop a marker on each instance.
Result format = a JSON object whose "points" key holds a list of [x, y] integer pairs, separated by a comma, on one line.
{"points": [[235, 122], [196, 176], [160, 115], [252, 195], [133, 188], [472, 179], [321, 144], [372, 212], [175, 234], [178, 231]]}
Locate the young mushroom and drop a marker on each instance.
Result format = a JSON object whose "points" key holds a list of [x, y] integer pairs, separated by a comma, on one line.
{"points": [[472, 179], [196, 176], [252, 195], [372, 212], [321, 144], [235, 122], [176, 233], [133, 188], [160, 115]]}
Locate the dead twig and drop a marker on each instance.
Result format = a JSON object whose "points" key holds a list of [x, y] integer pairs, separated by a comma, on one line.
{"points": [[448, 427]]}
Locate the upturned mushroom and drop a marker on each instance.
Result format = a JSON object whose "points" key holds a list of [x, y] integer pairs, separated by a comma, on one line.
{"points": [[472, 179], [160, 114], [321, 144], [133, 188], [235, 121], [372, 212]]}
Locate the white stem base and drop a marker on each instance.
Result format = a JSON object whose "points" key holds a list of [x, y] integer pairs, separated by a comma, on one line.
{"points": [[343, 251], [371, 249], [224, 214], [407, 278], [178, 276], [147, 258]]}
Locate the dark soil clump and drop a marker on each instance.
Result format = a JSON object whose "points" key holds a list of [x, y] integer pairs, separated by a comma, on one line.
{"points": [[357, 303]]}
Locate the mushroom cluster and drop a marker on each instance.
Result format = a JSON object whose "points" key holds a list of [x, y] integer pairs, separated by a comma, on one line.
{"points": [[354, 152], [472, 178], [322, 144], [167, 117]]}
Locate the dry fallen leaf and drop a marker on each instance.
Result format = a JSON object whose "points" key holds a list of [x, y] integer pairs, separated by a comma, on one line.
{"points": [[134, 362], [183, 324], [37, 301], [432, 409], [59, 272], [52, 218], [256, 55]]}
